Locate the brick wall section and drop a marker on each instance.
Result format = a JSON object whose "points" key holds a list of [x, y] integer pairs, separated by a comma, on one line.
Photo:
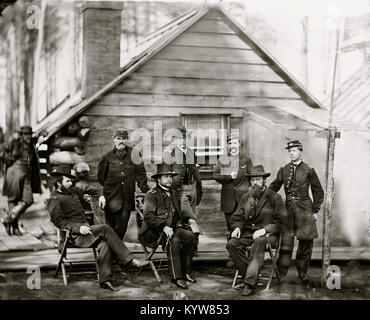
{"points": [[101, 45]]}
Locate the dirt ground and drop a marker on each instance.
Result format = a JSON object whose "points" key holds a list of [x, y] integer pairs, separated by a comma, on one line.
{"points": [[213, 283]]}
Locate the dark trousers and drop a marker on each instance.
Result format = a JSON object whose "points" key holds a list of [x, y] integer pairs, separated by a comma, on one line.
{"points": [[303, 256], [248, 264], [228, 220], [180, 249], [118, 221], [110, 246]]}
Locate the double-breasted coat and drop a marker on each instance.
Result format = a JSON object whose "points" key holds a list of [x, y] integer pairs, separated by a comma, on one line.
{"points": [[232, 189], [300, 207], [159, 211], [118, 175]]}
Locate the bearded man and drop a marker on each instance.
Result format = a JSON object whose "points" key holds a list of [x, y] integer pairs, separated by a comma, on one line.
{"points": [[259, 212]]}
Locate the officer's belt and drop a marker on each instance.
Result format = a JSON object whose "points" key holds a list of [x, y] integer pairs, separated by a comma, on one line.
{"points": [[294, 198]]}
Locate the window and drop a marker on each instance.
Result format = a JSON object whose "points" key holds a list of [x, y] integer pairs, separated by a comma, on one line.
{"points": [[209, 133]]}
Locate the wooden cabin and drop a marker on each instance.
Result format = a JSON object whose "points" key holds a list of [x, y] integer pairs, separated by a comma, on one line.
{"points": [[204, 71]]}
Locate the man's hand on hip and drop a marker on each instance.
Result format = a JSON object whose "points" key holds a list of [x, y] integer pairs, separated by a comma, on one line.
{"points": [[259, 233], [84, 230], [236, 233], [102, 202]]}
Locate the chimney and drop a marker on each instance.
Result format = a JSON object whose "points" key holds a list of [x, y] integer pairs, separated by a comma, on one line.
{"points": [[101, 44]]}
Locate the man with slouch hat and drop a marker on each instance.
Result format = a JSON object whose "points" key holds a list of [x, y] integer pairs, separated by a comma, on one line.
{"points": [[261, 211]]}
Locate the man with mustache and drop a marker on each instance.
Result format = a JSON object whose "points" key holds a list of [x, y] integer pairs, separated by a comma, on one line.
{"points": [[297, 178], [233, 178], [22, 177], [66, 212], [259, 212], [163, 214], [117, 173]]}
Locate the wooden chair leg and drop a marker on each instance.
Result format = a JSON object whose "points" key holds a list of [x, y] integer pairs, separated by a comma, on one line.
{"points": [[65, 281], [156, 274], [275, 269], [235, 279], [96, 264]]}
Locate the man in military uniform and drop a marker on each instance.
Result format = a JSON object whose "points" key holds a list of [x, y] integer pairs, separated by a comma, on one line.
{"points": [[117, 173], [163, 215], [297, 178], [233, 178], [22, 177], [187, 184], [259, 212], [66, 212]]}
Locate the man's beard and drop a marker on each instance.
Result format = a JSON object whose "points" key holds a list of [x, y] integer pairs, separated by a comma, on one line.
{"points": [[65, 190], [257, 191]]}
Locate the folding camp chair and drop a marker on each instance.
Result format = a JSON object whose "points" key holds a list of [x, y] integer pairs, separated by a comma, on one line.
{"points": [[273, 256], [65, 236], [139, 200]]}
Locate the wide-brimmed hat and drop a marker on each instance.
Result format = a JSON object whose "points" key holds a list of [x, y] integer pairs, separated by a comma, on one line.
{"points": [[163, 168], [62, 170], [120, 132], [294, 143], [25, 129], [258, 171]]}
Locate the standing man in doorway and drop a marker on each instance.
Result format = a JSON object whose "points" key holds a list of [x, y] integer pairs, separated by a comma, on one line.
{"points": [[297, 178], [117, 174]]}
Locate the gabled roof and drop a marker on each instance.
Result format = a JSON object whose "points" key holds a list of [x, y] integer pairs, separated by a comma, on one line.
{"points": [[159, 39]]}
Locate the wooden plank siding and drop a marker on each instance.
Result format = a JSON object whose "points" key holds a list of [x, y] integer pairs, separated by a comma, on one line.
{"points": [[208, 70], [210, 54], [192, 86], [169, 100]]}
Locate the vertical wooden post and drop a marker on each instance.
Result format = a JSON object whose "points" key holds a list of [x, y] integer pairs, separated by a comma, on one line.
{"points": [[329, 195]]}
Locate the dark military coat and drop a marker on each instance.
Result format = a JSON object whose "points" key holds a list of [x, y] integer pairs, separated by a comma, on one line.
{"points": [[159, 211], [66, 212], [269, 214], [232, 189], [118, 175], [300, 207], [187, 171]]}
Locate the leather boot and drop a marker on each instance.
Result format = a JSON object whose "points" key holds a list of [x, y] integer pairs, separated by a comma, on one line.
{"points": [[7, 225], [15, 213]]}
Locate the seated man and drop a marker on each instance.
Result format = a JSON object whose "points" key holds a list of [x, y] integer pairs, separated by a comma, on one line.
{"points": [[162, 213], [66, 212], [260, 211]]}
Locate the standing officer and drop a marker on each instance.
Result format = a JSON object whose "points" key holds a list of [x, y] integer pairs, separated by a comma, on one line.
{"points": [[259, 212], [117, 174], [233, 178], [163, 213], [297, 178], [22, 177]]}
